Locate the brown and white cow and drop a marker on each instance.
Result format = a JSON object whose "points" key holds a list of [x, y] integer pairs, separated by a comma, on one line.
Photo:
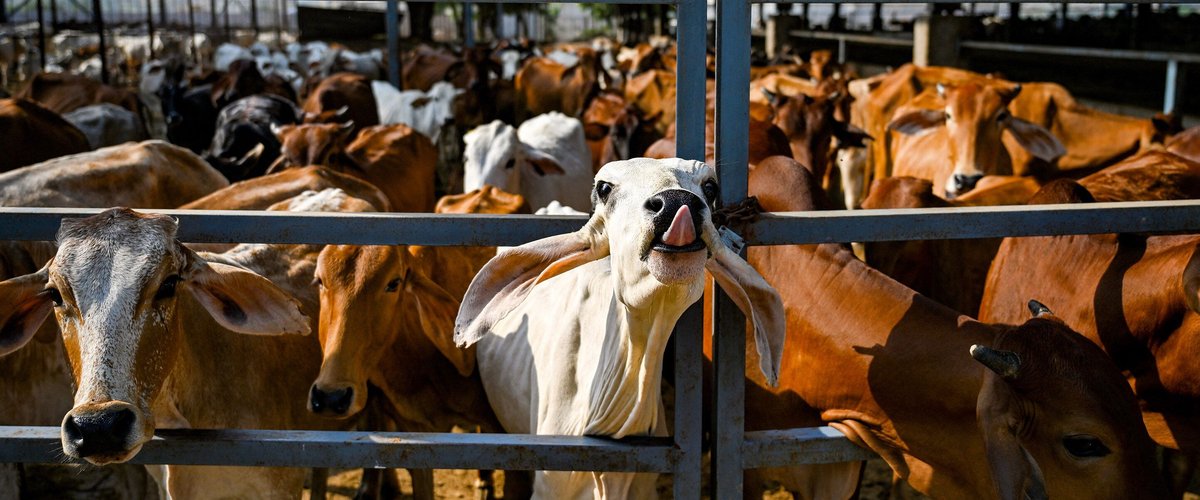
{"points": [[959, 408], [154, 331]]}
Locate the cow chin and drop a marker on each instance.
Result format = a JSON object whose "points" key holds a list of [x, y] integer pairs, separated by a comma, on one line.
{"points": [[676, 268]]}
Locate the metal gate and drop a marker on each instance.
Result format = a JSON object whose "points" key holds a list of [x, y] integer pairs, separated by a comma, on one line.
{"points": [[733, 449]]}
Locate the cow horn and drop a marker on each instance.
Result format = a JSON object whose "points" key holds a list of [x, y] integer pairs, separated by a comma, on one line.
{"points": [[1004, 363], [941, 90], [1038, 309]]}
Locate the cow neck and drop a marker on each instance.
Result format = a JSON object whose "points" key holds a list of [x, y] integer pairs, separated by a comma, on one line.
{"points": [[856, 324], [216, 367], [626, 393]]}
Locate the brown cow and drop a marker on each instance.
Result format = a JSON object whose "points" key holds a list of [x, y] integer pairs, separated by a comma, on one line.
{"points": [[62, 93], [342, 90], [1186, 144], [387, 317], [260, 193], [1038, 412], [615, 131], [543, 85], [313, 144], [653, 92], [33, 134], [766, 140], [1133, 295], [951, 135], [243, 79], [125, 392]]}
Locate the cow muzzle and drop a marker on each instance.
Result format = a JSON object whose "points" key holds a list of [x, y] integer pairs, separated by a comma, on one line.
{"points": [[678, 251], [961, 183], [102, 433], [332, 402]]}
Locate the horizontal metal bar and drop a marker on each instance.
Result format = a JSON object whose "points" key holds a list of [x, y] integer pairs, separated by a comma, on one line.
{"points": [[850, 37], [627, 2], [815, 445], [367, 449], [975, 222], [781, 228], [1132, 55]]}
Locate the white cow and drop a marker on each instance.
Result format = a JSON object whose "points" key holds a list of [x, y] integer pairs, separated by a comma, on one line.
{"points": [[107, 124], [572, 329], [227, 53], [425, 112], [546, 159]]}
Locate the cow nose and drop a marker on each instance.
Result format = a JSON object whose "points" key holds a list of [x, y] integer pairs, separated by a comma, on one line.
{"points": [[664, 206], [101, 433], [336, 402], [174, 120], [961, 183]]}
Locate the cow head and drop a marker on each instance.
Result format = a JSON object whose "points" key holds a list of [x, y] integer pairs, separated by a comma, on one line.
{"points": [[495, 155], [1050, 393], [313, 144], [653, 220], [810, 125], [113, 287], [974, 115]]}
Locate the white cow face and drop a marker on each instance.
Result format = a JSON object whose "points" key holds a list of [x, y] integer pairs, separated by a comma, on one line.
{"points": [[653, 218], [495, 155], [113, 286]]}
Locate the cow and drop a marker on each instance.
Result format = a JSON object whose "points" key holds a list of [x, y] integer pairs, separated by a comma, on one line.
{"points": [[400, 162], [544, 85], [245, 143], [419, 289], [314, 144], [260, 193], [546, 159], [963, 124], [342, 90], [62, 93], [1186, 144], [426, 112], [615, 130], [812, 127], [425, 66], [653, 92], [36, 380], [766, 140], [190, 115], [958, 408], [596, 307], [1133, 295], [106, 124], [33, 134], [243, 79], [182, 306]]}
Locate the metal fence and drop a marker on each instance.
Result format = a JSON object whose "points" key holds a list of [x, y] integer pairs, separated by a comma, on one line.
{"points": [[733, 449]]}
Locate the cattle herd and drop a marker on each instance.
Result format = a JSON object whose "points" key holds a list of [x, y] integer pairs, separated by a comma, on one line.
{"points": [[1077, 380]]}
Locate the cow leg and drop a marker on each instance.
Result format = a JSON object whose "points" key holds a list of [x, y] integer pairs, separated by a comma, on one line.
{"points": [[518, 484], [318, 483], [1179, 467], [371, 487], [484, 488], [10, 481]]}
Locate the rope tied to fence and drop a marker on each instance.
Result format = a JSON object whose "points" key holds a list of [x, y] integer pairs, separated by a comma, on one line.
{"points": [[738, 215]]}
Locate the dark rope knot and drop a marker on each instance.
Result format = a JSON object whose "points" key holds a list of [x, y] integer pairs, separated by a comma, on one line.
{"points": [[737, 215]]}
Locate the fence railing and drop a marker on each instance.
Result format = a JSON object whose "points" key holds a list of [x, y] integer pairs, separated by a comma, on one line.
{"points": [[680, 455]]}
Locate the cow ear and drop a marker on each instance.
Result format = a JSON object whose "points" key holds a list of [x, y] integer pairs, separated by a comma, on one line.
{"points": [[504, 282], [758, 301], [1036, 139], [918, 122], [24, 306], [849, 136], [542, 163], [436, 309], [595, 131], [243, 301], [1015, 473]]}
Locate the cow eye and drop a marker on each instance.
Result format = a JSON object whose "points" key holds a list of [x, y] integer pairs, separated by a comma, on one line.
{"points": [[54, 296], [1085, 446], [603, 189], [711, 190], [512, 162], [1002, 116], [393, 285], [167, 289], [317, 282]]}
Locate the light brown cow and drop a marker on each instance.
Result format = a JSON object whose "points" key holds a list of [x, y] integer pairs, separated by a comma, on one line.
{"points": [[62, 92], [33, 134], [1133, 295], [262, 192], [1186, 144], [387, 317], [342, 90], [120, 279], [1038, 412], [615, 131], [35, 382], [544, 85], [653, 92], [951, 135]]}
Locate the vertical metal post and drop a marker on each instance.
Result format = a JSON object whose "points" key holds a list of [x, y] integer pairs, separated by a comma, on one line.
{"points": [[841, 50], [468, 25], [162, 12], [54, 15], [212, 12], [225, 14], [498, 34], [41, 32], [254, 18], [393, 41], [729, 331], [280, 20], [192, 31], [150, 24], [1173, 96], [690, 39], [98, 20]]}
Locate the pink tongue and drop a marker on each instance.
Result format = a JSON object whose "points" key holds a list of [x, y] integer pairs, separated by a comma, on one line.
{"points": [[682, 232]]}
